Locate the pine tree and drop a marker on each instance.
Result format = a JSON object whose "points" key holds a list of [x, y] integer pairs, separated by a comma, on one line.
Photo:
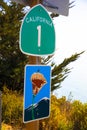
{"points": [[61, 71], [11, 59]]}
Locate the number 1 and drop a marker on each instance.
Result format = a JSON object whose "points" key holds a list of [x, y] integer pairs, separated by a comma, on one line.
{"points": [[39, 35]]}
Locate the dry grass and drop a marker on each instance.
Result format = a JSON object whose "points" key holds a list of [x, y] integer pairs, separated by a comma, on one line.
{"points": [[6, 127], [9, 127]]}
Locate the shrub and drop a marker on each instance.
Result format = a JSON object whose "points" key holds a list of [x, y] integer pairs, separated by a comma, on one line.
{"points": [[12, 107]]}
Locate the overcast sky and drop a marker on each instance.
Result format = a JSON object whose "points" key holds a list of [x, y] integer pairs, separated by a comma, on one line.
{"points": [[71, 37]]}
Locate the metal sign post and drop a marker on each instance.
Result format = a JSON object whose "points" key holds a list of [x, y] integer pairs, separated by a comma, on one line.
{"points": [[33, 60], [35, 124]]}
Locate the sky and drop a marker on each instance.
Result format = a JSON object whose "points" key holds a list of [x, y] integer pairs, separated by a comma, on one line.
{"points": [[71, 38]]}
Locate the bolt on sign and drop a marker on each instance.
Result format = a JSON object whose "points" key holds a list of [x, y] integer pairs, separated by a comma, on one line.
{"points": [[36, 92], [37, 33]]}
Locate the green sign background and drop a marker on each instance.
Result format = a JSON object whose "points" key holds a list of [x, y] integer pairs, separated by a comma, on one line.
{"points": [[37, 17]]}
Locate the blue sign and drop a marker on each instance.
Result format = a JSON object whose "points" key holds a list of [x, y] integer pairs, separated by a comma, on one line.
{"points": [[36, 92]]}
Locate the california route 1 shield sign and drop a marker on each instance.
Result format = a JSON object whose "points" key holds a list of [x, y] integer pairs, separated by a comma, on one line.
{"points": [[36, 92], [37, 33]]}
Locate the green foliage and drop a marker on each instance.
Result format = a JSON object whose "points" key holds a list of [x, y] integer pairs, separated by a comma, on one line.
{"points": [[12, 61], [79, 115], [61, 71], [12, 107], [65, 115]]}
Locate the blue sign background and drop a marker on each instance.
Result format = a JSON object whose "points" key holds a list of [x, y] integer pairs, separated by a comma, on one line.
{"points": [[29, 70], [28, 92]]}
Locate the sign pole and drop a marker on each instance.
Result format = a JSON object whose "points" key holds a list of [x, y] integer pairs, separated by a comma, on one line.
{"points": [[33, 60], [35, 124]]}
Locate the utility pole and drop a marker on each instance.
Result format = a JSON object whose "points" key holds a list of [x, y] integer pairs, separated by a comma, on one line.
{"points": [[32, 61]]}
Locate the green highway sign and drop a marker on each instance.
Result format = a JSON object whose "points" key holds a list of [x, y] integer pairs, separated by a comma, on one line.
{"points": [[37, 33]]}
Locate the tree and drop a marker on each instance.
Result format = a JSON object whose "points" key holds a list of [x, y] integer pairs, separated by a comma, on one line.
{"points": [[12, 61], [60, 72], [12, 107], [79, 115], [59, 115]]}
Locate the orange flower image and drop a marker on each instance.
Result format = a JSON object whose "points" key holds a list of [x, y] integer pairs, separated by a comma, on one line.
{"points": [[38, 81]]}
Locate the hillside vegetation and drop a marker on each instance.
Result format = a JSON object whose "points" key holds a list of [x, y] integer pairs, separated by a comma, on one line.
{"points": [[64, 114]]}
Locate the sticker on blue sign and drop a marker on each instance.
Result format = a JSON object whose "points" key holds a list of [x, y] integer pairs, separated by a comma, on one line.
{"points": [[37, 82]]}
